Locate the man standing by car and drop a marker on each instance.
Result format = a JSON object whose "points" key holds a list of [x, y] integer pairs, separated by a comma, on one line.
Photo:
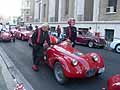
{"points": [[39, 37], [71, 32], [30, 27], [58, 31]]}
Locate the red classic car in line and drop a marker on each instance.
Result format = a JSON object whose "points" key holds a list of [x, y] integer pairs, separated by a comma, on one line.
{"points": [[5, 36], [23, 34], [86, 38], [114, 82], [67, 62]]}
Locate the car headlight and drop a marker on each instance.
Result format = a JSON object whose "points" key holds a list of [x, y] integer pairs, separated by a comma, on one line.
{"points": [[74, 62], [95, 58]]}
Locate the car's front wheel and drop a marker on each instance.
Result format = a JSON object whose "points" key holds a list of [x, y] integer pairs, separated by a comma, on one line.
{"points": [[59, 74], [117, 48], [90, 44]]}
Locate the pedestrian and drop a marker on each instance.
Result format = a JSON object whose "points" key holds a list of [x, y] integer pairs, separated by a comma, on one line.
{"points": [[13, 35], [90, 32], [58, 31], [71, 32], [38, 39], [30, 27]]}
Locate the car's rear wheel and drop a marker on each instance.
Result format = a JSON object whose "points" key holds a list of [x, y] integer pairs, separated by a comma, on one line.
{"points": [[59, 74], [90, 44], [117, 48]]}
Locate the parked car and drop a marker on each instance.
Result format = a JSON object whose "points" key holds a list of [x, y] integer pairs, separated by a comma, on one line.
{"points": [[115, 45], [23, 34], [86, 38], [67, 62], [114, 82], [18, 32], [5, 36]]}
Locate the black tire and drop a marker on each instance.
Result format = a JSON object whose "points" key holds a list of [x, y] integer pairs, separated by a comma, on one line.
{"points": [[117, 48], [59, 74], [90, 44]]}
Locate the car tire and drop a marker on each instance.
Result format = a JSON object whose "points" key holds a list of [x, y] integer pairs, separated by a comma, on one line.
{"points": [[117, 48], [59, 74], [90, 44]]}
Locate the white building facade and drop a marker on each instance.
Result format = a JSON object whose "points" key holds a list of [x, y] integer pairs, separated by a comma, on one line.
{"points": [[87, 13], [27, 10], [61, 10]]}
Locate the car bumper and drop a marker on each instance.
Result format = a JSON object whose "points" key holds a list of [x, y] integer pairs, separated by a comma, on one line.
{"points": [[26, 38], [85, 74], [100, 44], [6, 39]]}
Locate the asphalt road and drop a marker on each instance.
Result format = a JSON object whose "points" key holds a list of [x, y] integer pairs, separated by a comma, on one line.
{"points": [[21, 55]]}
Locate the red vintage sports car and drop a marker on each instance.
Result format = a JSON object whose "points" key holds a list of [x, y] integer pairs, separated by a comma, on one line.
{"points": [[23, 34], [67, 62], [5, 36], [114, 82], [86, 38]]}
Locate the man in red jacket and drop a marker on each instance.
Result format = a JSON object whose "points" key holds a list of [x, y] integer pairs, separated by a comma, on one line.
{"points": [[71, 32], [39, 37]]}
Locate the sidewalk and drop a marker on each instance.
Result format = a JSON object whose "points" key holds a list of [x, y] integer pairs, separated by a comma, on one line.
{"points": [[10, 76], [6, 80], [2, 83]]}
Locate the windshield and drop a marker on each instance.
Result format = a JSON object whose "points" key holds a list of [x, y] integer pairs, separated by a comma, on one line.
{"points": [[89, 34]]}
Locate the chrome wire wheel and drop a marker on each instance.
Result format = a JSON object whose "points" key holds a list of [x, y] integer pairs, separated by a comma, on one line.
{"points": [[59, 74], [90, 44]]}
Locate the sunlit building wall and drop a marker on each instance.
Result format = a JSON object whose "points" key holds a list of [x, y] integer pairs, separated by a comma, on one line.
{"points": [[27, 10]]}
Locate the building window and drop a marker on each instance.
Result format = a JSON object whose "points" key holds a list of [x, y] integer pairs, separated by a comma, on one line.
{"points": [[44, 10], [112, 6], [28, 3], [66, 7]]}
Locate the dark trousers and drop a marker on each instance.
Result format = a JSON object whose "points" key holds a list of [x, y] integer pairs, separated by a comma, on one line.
{"points": [[36, 58], [73, 42], [58, 34]]}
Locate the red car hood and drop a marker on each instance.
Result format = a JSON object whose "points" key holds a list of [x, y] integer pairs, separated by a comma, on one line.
{"points": [[85, 59], [114, 82], [25, 32], [98, 39], [5, 34]]}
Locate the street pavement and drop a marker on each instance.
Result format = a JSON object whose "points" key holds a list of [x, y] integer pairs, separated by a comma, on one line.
{"points": [[6, 80], [21, 55], [2, 81]]}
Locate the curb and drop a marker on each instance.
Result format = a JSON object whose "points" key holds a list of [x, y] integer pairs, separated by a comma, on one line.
{"points": [[11, 74], [10, 83]]}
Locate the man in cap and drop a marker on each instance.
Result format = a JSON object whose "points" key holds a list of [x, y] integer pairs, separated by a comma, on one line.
{"points": [[39, 37], [71, 32]]}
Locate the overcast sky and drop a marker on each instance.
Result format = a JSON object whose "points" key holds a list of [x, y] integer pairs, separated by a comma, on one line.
{"points": [[10, 7]]}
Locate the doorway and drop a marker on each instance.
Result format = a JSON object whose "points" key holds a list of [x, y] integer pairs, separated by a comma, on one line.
{"points": [[109, 34]]}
